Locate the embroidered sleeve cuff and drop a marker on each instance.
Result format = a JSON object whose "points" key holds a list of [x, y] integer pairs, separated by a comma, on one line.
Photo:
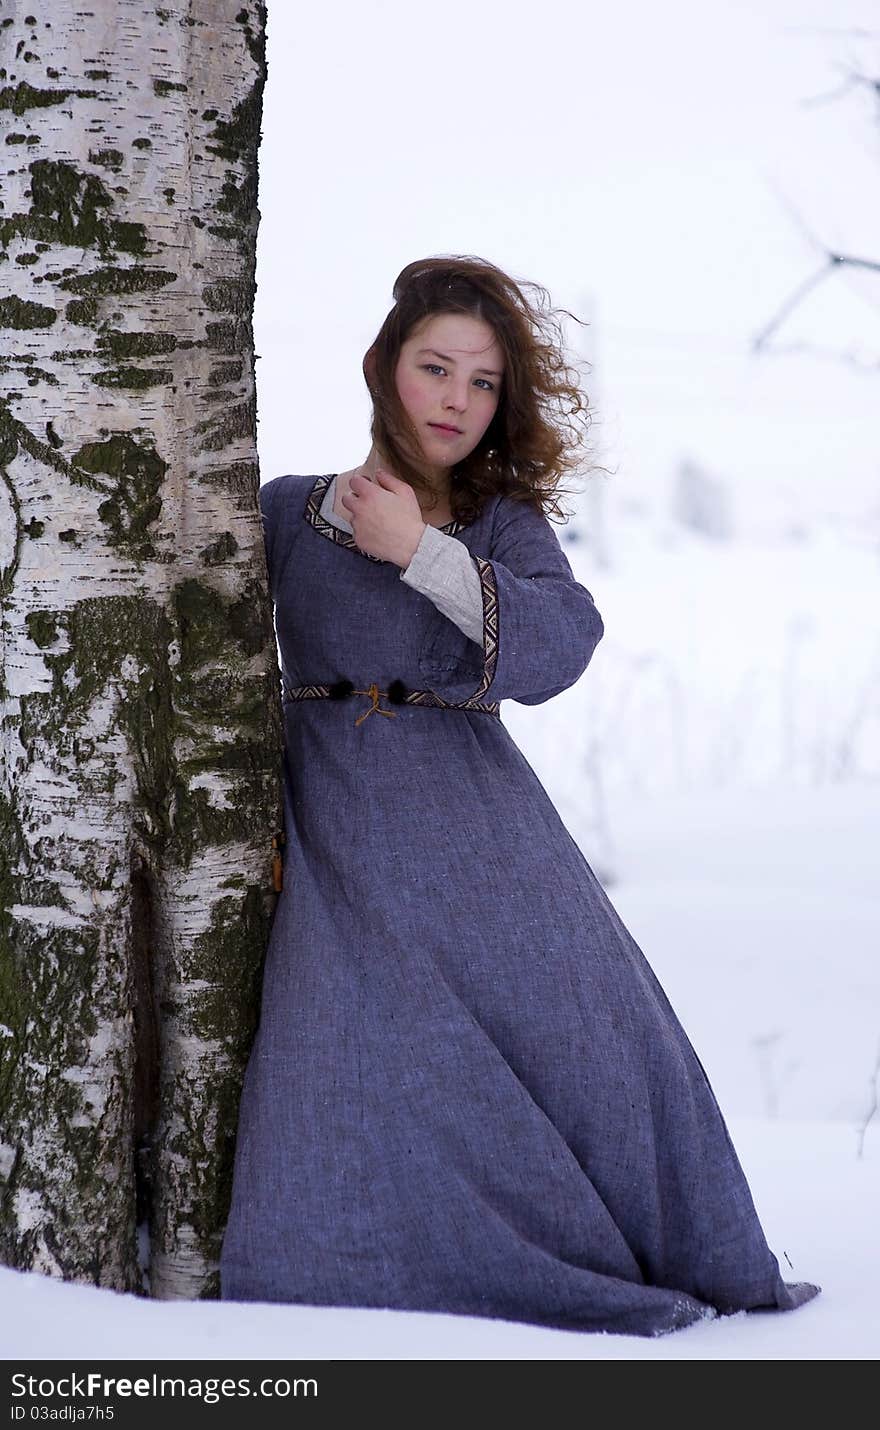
{"points": [[443, 569]]}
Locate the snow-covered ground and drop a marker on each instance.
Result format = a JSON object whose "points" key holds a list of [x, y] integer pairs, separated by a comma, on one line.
{"points": [[817, 1200], [718, 764]]}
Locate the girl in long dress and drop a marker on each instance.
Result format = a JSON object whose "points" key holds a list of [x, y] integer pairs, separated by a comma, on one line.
{"points": [[468, 1091]]}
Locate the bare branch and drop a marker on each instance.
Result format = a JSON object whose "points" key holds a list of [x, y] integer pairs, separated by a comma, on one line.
{"points": [[797, 219], [848, 261], [832, 95], [849, 359], [832, 262], [790, 304]]}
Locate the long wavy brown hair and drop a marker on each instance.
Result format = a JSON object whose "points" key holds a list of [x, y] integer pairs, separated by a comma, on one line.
{"points": [[539, 430]]}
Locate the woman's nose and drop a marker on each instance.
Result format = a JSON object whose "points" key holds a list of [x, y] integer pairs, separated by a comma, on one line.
{"points": [[457, 396]]}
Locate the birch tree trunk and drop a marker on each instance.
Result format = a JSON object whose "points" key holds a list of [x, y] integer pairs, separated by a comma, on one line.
{"points": [[139, 699]]}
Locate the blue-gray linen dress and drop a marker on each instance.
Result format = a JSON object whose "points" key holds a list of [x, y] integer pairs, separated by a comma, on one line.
{"points": [[468, 1091]]}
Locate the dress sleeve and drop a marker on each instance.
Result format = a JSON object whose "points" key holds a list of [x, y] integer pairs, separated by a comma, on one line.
{"points": [[540, 626]]}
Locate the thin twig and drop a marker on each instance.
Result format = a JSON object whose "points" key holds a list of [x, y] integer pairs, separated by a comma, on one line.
{"points": [[789, 305], [835, 355]]}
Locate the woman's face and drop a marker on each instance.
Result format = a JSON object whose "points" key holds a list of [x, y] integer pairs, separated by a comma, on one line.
{"points": [[449, 374]]}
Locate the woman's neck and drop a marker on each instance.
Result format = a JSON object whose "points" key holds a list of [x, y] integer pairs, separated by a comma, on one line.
{"points": [[439, 480]]}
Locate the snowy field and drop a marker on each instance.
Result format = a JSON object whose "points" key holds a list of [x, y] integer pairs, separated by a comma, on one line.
{"points": [[817, 1200], [719, 764]]}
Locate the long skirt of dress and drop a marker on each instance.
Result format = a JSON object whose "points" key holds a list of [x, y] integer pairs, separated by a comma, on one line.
{"points": [[468, 1091]]}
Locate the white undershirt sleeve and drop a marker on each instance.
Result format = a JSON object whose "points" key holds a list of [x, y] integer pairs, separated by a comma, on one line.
{"points": [[441, 568]]}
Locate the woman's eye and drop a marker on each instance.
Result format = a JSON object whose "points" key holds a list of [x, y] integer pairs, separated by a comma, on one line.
{"points": [[435, 367]]}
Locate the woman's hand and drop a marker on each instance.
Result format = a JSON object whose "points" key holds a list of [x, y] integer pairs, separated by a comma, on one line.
{"points": [[385, 517]]}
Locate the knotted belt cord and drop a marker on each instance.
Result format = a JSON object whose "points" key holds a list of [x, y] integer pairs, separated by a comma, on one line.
{"points": [[374, 692]]}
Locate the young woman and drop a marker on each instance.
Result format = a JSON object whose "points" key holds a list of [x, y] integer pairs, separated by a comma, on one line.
{"points": [[468, 1092]]}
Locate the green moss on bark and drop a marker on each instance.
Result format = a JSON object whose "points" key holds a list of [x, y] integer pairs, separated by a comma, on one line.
{"points": [[16, 313], [225, 372], [42, 627], [137, 472], [131, 345], [133, 378], [219, 552], [174, 672], [83, 312], [105, 281], [71, 207], [239, 479], [107, 158], [24, 96]]}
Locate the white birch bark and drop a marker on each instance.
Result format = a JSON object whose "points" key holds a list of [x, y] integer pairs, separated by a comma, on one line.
{"points": [[139, 700]]}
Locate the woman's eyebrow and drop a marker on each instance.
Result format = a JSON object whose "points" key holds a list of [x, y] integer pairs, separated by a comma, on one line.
{"points": [[490, 370]]}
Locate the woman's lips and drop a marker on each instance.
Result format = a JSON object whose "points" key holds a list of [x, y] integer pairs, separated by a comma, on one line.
{"points": [[445, 431]]}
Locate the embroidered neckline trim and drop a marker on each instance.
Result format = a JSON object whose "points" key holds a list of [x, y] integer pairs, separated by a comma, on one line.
{"points": [[313, 515]]}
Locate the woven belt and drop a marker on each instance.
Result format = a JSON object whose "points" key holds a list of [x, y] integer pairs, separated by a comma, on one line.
{"points": [[397, 693]]}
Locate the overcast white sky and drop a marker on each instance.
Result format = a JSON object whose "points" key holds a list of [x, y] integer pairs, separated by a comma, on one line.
{"points": [[656, 167]]}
